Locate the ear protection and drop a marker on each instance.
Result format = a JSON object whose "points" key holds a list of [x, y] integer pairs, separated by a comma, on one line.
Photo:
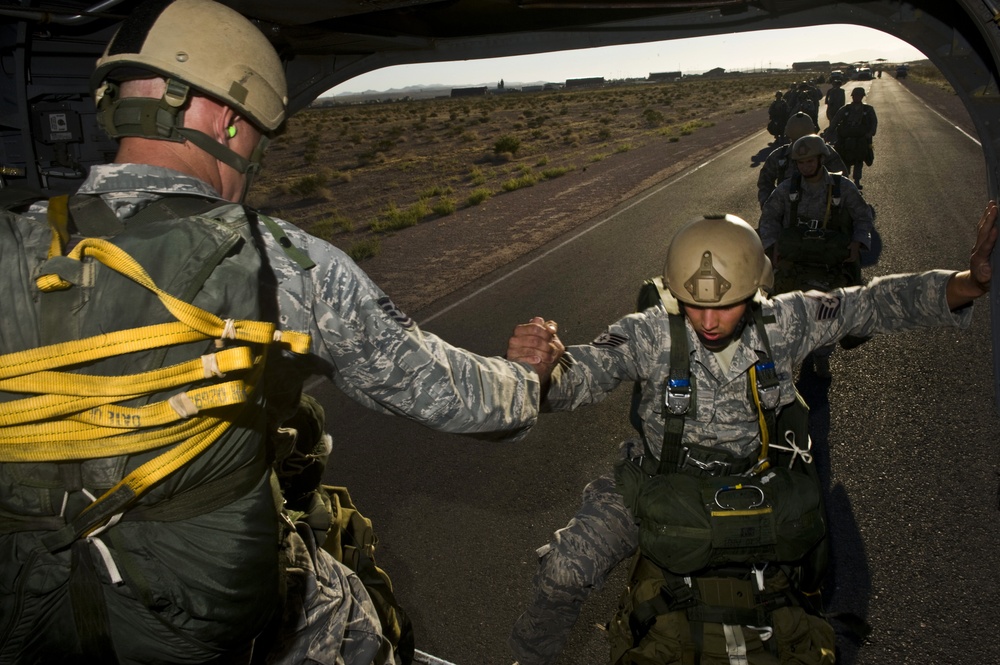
{"points": [[231, 131]]}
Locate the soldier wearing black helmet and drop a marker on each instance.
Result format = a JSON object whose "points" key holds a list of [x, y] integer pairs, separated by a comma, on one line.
{"points": [[834, 98], [698, 356], [852, 131]]}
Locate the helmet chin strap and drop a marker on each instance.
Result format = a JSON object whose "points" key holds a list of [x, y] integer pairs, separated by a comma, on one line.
{"points": [[163, 120]]}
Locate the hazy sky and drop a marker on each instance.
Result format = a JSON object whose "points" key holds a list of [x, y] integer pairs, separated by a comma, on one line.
{"points": [[766, 48]]}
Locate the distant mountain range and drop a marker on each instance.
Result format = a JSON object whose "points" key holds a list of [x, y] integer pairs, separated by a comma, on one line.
{"points": [[432, 88]]}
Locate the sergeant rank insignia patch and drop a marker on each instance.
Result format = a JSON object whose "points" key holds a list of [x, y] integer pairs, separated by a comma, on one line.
{"points": [[609, 340], [827, 305], [394, 312]]}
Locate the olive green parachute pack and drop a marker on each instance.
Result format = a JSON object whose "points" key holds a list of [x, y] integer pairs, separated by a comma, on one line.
{"points": [[139, 512], [732, 552], [812, 252]]}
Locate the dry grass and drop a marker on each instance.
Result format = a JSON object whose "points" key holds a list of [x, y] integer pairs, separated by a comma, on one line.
{"points": [[351, 173]]}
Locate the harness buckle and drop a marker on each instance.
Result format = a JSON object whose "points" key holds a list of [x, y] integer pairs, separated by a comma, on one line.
{"points": [[678, 399], [769, 395], [712, 467]]}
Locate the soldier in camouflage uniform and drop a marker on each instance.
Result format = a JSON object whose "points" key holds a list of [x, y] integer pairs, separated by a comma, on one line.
{"points": [[852, 131], [778, 166], [823, 205], [360, 340], [834, 98], [723, 348]]}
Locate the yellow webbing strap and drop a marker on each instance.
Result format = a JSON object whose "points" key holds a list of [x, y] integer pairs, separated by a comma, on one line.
{"points": [[829, 201], [194, 317], [58, 218], [762, 462], [101, 412], [65, 393]]}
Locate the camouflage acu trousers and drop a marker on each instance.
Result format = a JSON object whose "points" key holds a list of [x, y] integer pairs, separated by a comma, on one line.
{"points": [[577, 561]]}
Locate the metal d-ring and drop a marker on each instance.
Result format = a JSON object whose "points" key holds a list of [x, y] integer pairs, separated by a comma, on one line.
{"points": [[741, 486]]}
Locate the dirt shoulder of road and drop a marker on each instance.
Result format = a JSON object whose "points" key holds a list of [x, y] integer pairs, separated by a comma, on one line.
{"points": [[424, 263]]}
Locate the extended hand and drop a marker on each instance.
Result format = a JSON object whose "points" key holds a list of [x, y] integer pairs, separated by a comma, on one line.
{"points": [[537, 344], [966, 286], [980, 266]]}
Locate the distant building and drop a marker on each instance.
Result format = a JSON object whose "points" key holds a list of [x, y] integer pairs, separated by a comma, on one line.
{"points": [[532, 88], [594, 82], [469, 92], [664, 76], [817, 66], [718, 71]]}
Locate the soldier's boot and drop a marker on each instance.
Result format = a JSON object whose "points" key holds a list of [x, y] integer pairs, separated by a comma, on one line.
{"points": [[821, 366]]}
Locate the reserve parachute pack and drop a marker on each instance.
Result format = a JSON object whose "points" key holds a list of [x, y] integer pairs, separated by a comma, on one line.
{"points": [[302, 448], [138, 510], [732, 552], [857, 122], [811, 252]]}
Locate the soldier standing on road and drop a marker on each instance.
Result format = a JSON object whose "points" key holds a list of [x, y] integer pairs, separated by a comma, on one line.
{"points": [[813, 227], [210, 568], [852, 129], [835, 99], [777, 115], [715, 276], [778, 166]]}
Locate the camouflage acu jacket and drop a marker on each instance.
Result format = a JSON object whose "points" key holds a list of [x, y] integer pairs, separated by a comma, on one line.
{"points": [[360, 339], [637, 348]]}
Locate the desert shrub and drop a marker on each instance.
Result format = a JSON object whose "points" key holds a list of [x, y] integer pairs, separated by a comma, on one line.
{"points": [[308, 185], [436, 190], [507, 143], [364, 249], [326, 227], [556, 171], [477, 177], [478, 196], [652, 117], [444, 207], [526, 180], [393, 218]]}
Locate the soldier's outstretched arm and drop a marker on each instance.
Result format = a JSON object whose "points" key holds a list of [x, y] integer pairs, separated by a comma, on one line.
{"points": [[966, 286], [537, 344]]}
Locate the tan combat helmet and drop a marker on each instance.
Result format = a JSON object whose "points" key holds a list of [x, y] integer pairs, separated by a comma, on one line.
{"points": [[716, 261], [810, 145], [206, 45], [798, 126]]}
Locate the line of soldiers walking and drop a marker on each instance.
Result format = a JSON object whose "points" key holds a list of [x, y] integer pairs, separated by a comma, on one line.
{"points": [[814, 222]]}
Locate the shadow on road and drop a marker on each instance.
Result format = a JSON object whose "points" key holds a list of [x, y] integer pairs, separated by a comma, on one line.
{"points": [[761, 155], [848, 589]]}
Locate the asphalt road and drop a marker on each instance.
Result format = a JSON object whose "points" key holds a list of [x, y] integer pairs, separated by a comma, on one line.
{"points": [[906, 430]]}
